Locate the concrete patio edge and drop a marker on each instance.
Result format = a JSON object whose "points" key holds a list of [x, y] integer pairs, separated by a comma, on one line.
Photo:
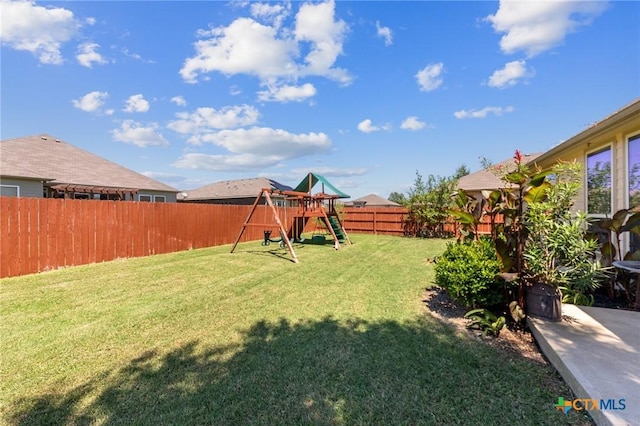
{"points": [[597, 352]]}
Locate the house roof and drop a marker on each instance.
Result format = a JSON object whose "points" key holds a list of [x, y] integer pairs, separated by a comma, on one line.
{"points": [[374, 200], [10, 168], [241, 188], [623, 116], [486, 180], [52, 159]]}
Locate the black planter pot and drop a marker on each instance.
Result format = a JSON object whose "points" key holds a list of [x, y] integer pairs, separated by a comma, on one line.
{"points": [[543, 301]]}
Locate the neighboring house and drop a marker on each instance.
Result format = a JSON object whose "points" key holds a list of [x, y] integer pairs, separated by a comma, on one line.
{"points": [[237, 192], [486, 180], [609, 152], [44, 166], [371, 200]]}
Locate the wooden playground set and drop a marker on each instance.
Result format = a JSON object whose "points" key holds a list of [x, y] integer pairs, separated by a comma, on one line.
{"points": [[304, 206]]}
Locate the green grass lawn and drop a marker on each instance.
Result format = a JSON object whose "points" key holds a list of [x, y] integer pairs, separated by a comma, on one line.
{"points": [[208, 337]]}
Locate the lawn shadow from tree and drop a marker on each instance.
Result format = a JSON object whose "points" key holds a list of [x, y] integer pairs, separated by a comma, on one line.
{"points": [[325, 372]]}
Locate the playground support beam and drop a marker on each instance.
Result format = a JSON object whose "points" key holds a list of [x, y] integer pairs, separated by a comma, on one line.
{"points": [[265, 193]]}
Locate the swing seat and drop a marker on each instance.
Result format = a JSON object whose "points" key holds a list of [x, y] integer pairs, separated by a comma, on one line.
{"points": [[268, 240]]}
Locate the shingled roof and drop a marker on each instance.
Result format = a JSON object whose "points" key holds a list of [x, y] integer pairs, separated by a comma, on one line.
{"points": [[374, 200], [241, 188], [486, 180], [48, 158]]}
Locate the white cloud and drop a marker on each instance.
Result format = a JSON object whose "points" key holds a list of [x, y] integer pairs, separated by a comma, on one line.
{"points": [[136, 103], [330, 171], [412, 123], [536, 26], [36, 29], [269, 52], [315, 23], [225, 162], [90, 21], [91, 102], [510, 74], [244, 47], [272, 13], [179, 100], [269, 142], [385, 33], [206, 119], [430, 77], [482, 113], [287, 93], [138, 134], [126, 52], [366, 126], [257, 147], [88, 55]]}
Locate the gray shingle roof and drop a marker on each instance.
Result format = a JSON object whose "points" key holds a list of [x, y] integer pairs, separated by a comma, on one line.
{"points": [[46, 157], [241, 188], [373, 200], [486, 179]]}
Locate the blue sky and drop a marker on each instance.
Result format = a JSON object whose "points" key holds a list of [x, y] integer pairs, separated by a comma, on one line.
{"points": [[366, 93]]}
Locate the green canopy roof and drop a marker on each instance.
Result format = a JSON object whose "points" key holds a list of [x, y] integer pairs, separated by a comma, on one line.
{"points": [[315, 178]]}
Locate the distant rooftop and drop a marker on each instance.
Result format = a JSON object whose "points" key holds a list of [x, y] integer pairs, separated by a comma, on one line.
{"points": [[241, 188], [486, 180]]}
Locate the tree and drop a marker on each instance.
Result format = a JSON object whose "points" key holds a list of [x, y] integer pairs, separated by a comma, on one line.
{"points": [[599, 188], [398, 197], [429, 201], [461, 171]]}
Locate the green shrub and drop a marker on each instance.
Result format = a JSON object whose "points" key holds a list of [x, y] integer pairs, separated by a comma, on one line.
{"points": [[467, 271]]}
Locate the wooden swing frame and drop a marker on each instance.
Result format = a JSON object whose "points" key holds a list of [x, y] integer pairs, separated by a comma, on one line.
{"points": [[309, 206]]}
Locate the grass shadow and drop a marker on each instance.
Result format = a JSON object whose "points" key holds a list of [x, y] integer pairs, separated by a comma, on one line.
{"points": [[325, 372]]}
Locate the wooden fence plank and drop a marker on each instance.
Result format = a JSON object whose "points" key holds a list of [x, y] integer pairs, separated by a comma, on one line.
{"points": [[5, 206]]}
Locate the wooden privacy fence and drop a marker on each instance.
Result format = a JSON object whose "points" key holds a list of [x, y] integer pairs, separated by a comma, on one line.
{"points": [[38, 234], [374, 220], [391, 221]]}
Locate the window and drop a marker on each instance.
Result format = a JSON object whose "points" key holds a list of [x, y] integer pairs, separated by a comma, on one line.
{"points": [[599, 182], [81, 196], [634, 171], [144, 197], [633, 177], [9, 191], [159, 199]]}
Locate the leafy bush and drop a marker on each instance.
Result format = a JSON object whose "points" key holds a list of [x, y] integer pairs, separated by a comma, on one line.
{"points": [[467, 271], [486, 321]]}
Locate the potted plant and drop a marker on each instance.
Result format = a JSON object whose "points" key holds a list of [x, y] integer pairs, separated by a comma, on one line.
{"points": [[557, 252]]}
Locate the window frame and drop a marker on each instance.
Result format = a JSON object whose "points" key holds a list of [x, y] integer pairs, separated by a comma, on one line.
{"points": [[599, 149], [155, 198], [632, 239], [150, 200], [17, 187], [627, 173]]}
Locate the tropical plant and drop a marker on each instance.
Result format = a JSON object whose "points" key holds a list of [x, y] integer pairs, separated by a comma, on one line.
{"points": [[609, 232], [487, 321], [468, 214], [576, 297], [557, 251]]}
